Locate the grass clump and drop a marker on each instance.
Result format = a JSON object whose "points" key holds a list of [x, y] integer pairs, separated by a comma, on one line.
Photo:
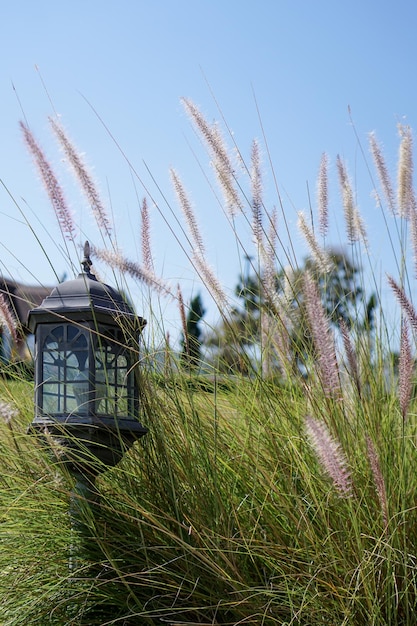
{"points": [[276, 484]]}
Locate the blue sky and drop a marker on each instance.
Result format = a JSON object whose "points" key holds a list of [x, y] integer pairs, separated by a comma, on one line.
{"points": [[115, 73]]}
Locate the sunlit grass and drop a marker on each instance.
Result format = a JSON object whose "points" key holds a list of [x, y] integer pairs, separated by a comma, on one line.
{"points": [[275, 488]]}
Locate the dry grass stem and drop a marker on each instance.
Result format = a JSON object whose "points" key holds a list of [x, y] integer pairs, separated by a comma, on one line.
{"points": [[183, 319], [378, 479]]}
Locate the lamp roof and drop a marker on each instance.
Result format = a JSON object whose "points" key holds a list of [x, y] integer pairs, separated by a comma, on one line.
{"points": [[84, 298]]}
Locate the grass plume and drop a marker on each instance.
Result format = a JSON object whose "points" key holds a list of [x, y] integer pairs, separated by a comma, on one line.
{"points": [[189, 215], [406, 304], [222, 163], [351, 356], [51, 184], [85, 179], [355, 228], [7, 320], [147, 259], [405, 170], [256, 185], [116, 260], [382, 171], [330, 455], [320, 256], [323, 195], [405, 370], [323, 339]]}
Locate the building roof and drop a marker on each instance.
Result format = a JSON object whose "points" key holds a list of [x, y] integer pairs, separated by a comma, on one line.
{"points": [[22, 298]]}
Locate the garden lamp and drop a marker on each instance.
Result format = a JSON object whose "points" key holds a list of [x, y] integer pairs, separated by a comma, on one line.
{"points": [[86, 372]]}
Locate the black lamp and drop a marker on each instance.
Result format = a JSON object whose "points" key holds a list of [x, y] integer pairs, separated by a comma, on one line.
{"points": [[86, 372]]}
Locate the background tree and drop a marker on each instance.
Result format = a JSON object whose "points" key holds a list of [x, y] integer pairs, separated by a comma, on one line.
{"points": [[192, 336], [230, 341], [235, 341], [343, 298]]}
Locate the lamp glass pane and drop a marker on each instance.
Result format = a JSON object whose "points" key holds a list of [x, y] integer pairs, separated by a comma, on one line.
{"points": [[115, 381], [65, 371]]}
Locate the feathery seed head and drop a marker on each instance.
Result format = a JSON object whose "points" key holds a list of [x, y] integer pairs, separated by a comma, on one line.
{"points": [[405, 371], [323, 195], [222, 163], [382, 172], [275, 340], [146, 237], [211, 282], [355, 227], [83, 176], [330, 455], [188, 212], [256, 184], [406, 305], [405, 170], [51, 184], [268, 257], [288, 287], [323, 339], [116, 260], [320, 256], [413, 229], [6, 318], [7, 412], [350, 355]]}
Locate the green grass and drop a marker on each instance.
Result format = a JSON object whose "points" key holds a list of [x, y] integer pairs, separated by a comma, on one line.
{"points": [[230, 510], [221, 515]]}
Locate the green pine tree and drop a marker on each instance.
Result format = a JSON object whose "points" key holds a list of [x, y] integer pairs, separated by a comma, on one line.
{"points": [[192, 338]]}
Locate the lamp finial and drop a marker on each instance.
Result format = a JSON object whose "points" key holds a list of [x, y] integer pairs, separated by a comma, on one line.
{"points": [[87, 262]]}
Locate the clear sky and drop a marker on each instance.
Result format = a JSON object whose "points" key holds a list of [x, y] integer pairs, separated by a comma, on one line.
{"points": [[115, 72]]}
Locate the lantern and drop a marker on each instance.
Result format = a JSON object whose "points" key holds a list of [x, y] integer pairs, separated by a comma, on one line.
{"points": [[86, 371]]}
